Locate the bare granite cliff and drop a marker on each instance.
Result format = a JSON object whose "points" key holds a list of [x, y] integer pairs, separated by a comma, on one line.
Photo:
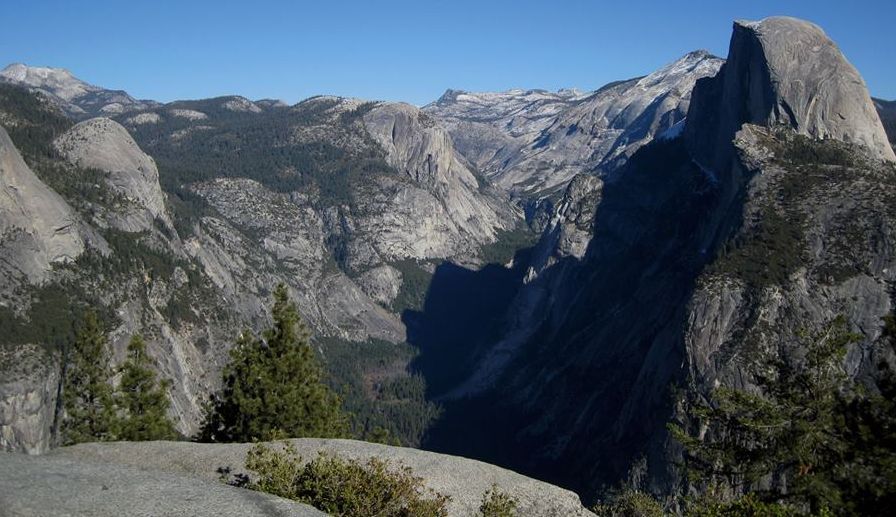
{"points": [[458, 213], [783, 71], [28, 393], [101, 143], [39, 229]]}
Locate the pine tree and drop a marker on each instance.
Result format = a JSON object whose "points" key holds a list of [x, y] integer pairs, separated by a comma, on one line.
{"points": [[273, 387], [811, 437], [87, 394], [143, 399]]}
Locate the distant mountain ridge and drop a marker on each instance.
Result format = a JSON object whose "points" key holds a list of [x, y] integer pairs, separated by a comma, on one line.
{"points": [[76, 98], [533, 142]]}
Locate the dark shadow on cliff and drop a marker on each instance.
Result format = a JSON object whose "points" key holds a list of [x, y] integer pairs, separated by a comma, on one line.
{"points": [[589, 394], [463, 313]]}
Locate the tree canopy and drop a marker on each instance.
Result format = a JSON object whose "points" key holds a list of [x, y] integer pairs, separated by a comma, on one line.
{"points": [[273, 386], [142, 398], [87, 394]]}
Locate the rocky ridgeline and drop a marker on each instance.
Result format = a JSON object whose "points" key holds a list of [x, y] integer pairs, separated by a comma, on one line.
{"points": [[534, 142], [77, 98], [38, 227]]}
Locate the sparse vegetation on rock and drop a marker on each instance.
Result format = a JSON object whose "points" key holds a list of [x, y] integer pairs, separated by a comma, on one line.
{"points": [[343, 487], [497, 503]]}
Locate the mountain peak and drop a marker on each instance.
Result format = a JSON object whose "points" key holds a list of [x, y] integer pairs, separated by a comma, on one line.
{"points": [[783, 71], [21, 71], [698, 62], [450, 95], [77, 98], [58, 81]]}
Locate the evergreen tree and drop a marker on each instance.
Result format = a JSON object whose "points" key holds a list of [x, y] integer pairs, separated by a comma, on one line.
{"points": [[273, 387], [143, 399], [87, 394], [811, 438]]}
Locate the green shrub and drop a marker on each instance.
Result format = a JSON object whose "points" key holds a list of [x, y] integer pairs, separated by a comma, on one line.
{"points": [[343, 487], [746, 506], [496, 503], [630, 503]]}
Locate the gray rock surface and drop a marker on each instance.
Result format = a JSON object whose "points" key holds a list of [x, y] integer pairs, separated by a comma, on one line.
{"points": [[29, 383], [463, 479], [38, 228], [571, 227], [101, 143], [50, 486], [785, 71], [447, 211], [381, 283]]}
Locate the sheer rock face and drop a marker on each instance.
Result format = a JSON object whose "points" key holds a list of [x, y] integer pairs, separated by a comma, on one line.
{"points": [[450, 209], [534, 142], [39, 229], [572, 226], [269, 237], [101, 143], [783, 71], [28, 392]]}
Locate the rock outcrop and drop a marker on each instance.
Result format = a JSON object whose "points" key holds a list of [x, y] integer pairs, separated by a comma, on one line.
{"points": [[570, 229], [52, 486], [464, 480], [452, 212], [38, 228], [28, 393], [103, 144], [782, 71]]}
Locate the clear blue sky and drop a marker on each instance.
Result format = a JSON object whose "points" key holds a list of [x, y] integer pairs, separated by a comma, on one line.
{"points": [[403, 50]]}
